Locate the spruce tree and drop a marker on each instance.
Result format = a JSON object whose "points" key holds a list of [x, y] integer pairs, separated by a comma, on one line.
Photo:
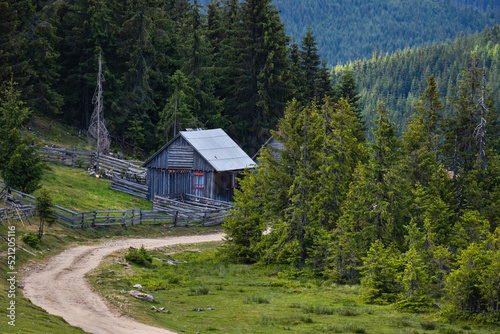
{"points": [[21, 167], [380, 272], [347, 88], [310, 61], [261, 87]]}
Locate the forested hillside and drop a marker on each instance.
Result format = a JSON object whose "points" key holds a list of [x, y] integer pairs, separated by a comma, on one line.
{"points": [[350, 30], [413, 218], [398, 79], [166, 66], [482, 4]]}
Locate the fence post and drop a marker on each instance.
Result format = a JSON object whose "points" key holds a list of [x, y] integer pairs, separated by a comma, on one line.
{"points": [[175, 218], [140, 216], [204, 219], [123, 219], [93, 220], [83, 214]]}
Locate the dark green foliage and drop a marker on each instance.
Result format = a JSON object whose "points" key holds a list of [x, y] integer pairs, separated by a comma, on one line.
{"points": [[139, 256], [21, 168], [44, 211], [380, 272], [349, 30], [260, 81], [399, 78], [31, 240]]}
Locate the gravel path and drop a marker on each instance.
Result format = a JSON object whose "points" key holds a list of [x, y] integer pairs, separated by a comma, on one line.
{"points": [[60, 287]]}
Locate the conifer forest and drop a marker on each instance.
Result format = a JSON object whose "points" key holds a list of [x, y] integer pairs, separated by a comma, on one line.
{"points": [[389, 171]]}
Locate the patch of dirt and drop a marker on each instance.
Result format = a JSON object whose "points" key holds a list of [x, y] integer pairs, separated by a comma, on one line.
{"points": [[61, 288]]}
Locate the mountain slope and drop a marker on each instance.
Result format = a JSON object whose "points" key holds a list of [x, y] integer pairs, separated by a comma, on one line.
{"points": [[400, 78], [349, 30]]}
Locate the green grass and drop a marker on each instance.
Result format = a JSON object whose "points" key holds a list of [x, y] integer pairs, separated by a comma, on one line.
{"points": [[76, 190], [248, 298], [33, 319], [50, 132]]}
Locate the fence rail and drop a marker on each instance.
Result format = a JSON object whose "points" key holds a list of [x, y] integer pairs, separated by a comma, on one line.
{"points": [[109, 165], [67, 156], [166, 211], [23, 213]]}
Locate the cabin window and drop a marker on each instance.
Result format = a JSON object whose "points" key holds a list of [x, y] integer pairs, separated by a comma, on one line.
{"points": [[199, 180], [234, 180]]}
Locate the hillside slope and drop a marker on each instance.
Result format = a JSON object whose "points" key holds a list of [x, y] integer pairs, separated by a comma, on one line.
{"points": [[400, 78], [349, 30]]}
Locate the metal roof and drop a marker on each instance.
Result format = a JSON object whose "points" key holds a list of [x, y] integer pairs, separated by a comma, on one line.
{"points": [[218, 149]]}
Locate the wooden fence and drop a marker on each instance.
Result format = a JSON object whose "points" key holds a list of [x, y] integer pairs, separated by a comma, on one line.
{"points": [[109, 165], [24, 213], [165, 211], [190, 211], [67, 156], [129, 170], [129, 187]]}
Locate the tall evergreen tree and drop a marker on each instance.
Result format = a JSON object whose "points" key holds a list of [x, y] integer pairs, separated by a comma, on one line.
{"points": [[347, 88], [21, 167], [145, 50], [261, 86], [310, 61]]}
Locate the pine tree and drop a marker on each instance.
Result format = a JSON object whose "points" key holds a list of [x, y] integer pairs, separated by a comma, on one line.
{"points": [[21, 168], [89, 29], [347, 88], [375, 204], [177, 114], [414, 278], [146, 33], [260, 88], [12, 63], [310, 61], [44, 211], [380, 271], [40, 51], [245, 226]]}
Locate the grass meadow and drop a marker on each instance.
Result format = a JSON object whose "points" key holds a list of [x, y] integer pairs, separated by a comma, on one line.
{"points": [[205, 295]]}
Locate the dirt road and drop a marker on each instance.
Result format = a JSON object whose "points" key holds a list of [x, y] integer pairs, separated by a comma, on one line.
{"points": [[59, 286]]}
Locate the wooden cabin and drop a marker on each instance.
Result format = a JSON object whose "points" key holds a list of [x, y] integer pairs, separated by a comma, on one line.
{"points": [[274, 145], [203, 163]]}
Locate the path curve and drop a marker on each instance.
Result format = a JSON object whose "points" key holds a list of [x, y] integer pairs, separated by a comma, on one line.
{"points": [[60, 287]]}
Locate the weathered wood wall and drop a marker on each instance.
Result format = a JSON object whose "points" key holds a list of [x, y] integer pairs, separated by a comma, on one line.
{"points": [[172, 170]]}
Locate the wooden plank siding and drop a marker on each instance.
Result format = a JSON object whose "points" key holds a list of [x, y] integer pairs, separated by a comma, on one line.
{"points": [[172, 170]]}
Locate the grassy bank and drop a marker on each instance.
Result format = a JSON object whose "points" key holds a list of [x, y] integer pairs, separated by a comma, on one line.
{"points": [[248, 299], [76, 190], [31, 318]]}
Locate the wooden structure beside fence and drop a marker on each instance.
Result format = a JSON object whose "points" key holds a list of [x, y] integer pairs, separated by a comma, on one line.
{"points": [[165, 211], [108, 165], [67, 156]]}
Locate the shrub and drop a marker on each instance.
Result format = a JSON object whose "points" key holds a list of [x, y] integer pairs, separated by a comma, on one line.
{"points": [[200, 291], [139, 256], [318, 309], [31, 240], [428, 325], [256, 299]]}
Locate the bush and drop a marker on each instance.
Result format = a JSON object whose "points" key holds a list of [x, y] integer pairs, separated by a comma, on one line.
{"points": [[428, 325], [200, 291], [31, 240], [256, 299], [139, 256]]}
